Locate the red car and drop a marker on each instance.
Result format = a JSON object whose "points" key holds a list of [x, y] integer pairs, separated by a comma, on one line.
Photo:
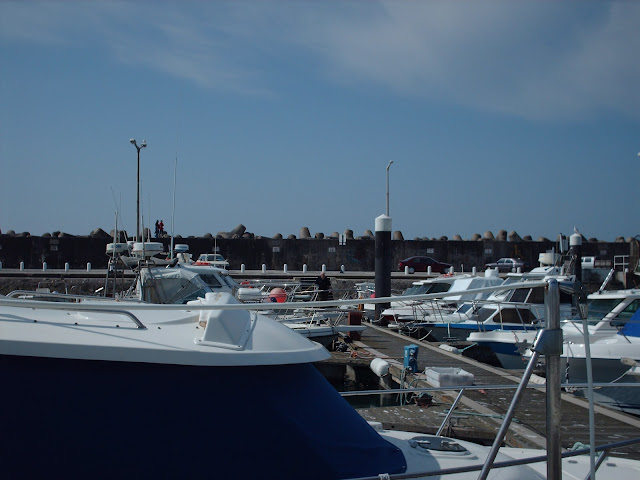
{"points": [[421, 264]]}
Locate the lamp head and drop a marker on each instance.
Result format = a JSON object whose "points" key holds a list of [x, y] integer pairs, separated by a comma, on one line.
{"points": [[133, 141], [143, 144]]}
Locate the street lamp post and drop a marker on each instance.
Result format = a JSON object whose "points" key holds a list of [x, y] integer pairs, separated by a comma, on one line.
{"points": [[138, 148], [388, 166]]}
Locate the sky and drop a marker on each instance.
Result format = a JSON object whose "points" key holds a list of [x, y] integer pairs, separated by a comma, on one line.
{"points": [[498, 115]]}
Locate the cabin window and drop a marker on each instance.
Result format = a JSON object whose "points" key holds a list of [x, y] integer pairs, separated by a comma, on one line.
{"points": [[485, 313], [516, 315]]}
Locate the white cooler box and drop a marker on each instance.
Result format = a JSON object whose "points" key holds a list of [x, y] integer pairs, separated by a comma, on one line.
{"points": [[448, 377]]}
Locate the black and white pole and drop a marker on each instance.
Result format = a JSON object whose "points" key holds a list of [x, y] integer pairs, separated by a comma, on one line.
{"points": [[383, 261], [575, 244]]}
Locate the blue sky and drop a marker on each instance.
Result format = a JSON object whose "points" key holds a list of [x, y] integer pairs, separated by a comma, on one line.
{"points": [[522, 116]]}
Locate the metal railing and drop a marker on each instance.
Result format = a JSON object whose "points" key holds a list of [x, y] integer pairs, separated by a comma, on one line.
{"points": [[604, 449]]}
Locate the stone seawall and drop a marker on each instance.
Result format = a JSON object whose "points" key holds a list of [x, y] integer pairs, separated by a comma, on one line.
{"points": [[355, 255]]}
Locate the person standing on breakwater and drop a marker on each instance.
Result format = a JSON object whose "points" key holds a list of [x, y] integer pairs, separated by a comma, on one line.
{"points": [[324, 285], [157, 228], [161, 227]]}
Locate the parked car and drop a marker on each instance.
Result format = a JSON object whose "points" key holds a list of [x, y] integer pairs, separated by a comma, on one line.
{"points": [[421, 264], [212, 259], [508, 265]]}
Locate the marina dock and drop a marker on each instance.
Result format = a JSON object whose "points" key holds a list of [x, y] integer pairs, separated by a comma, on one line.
{"points": [[480, 411]]}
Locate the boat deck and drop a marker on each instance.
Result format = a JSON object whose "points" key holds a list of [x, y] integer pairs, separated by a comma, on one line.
{"points": [[480, 412]]}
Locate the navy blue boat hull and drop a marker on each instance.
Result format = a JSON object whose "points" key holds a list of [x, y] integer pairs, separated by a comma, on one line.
{"points": [[118, 420]]}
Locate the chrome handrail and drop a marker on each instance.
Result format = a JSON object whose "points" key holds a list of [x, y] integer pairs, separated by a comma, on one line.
{"points": [[34, 294], [38, 304]]}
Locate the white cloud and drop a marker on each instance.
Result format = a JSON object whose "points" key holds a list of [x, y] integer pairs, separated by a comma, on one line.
{"points": [[545, 60], [534, 59]]}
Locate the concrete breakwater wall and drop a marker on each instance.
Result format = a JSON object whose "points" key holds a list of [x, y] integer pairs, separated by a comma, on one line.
{"points": [[253, 252]]}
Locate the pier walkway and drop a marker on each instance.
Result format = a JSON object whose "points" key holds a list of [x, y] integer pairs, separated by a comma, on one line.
{"points": [[480, 412]]}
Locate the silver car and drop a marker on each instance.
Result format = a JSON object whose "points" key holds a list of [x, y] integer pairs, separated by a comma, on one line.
{"points": [[508, 265]]}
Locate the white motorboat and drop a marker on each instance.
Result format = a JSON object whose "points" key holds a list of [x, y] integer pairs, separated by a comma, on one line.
{"points": [[455, 285], [507, 345], [520, 309], [614, 349], [611, 340], [109, 388], [182, 283], [606, 309], [606, 312]]}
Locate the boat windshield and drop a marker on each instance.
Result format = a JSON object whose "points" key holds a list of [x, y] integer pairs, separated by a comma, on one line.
{"points": [[180, 285], [464, 308], [212, 280], [528, 295], [228, 280], [439, 287], [599, 307], [625, 315], [415, 290], [424, 288]]}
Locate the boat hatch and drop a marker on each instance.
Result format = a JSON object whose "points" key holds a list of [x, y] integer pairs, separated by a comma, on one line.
{"points": [[440, 444]]}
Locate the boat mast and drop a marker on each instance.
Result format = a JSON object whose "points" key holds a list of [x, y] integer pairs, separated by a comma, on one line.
{"points": [[173, 210], [175, 174]]}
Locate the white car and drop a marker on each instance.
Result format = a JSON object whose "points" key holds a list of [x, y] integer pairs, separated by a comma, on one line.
{"points": [[213, 259]]}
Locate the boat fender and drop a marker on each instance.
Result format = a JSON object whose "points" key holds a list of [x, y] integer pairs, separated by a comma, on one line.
{"points": [[380, 367], [449, 348]]}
